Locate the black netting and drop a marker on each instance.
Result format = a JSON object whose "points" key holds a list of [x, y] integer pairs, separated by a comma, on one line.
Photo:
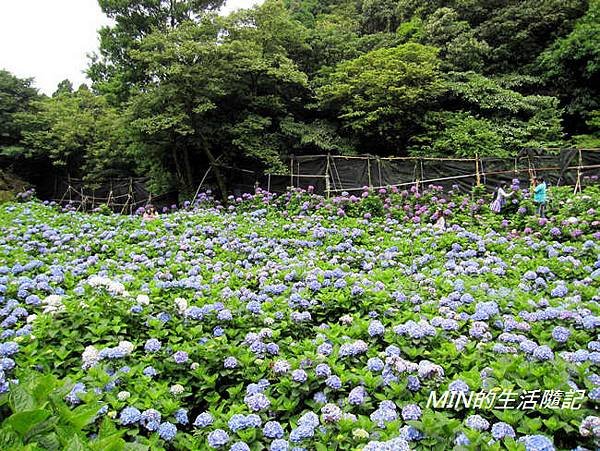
{"points": [[335, 174]]}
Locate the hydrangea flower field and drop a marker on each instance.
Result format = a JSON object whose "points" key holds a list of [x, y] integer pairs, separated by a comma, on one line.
{"points": [[295, 322]]}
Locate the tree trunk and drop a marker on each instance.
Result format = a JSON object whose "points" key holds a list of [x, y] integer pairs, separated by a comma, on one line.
{"points": [[215, 168], [176, 161], [188, 169]]}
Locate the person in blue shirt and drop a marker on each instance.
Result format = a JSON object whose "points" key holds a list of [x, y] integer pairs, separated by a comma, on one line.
{"points": [[539, 196]]}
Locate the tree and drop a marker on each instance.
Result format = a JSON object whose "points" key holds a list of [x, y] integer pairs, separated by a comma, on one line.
{"points": [[480, 116], [571, 67], [64, 87], [79, 133], [459, 48], [113, 71], [384, 93], [218, 90], [16, 96], [379, 15], [520, 31]]}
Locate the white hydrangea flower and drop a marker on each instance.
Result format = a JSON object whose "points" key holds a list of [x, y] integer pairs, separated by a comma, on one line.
{"points": [[126, 346], [177, 389], [90, 357], [143, 299], [116, 287], [181, 305]]}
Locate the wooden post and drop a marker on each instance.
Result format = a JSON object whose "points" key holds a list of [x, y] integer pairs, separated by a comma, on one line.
{"points": [[477, 175], [327, 181], [130, 197], [578, 183], [291, 171]]}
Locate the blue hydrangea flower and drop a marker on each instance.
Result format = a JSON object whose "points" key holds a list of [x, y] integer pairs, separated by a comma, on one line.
{"points": [[376, 328], [181, 416], [180, 357], [149, 371], [375, 364], [320, 397], [150, 419], [334, 382], [8, 348], [280, 445], [309, 419], [561, 334], [273, 429], [501, 430], [560, 291], [458, 386], [73, 396], [203, 420], [167, 431], [239, 446], [543, 353], [217, 438], [299, 376], [257, 402], [230, 363], [537, 443], [357, 396], [301, 433], [413, 383], [130, 415], [323, 370], [411, 412], [477, 422], [462, 440]]}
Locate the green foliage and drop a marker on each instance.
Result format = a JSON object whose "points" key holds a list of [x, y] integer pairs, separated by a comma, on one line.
{"points": [[77, 131], [591, 140], [16, 96], [571, 65], [384, 91], [39, 418], [460, 134]]}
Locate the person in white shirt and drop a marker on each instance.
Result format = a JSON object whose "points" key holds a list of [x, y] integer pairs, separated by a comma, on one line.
{"points": [[501, 196]]}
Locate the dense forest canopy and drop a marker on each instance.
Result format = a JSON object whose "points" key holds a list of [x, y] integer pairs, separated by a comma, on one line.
{"points": [[176, 87]]}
